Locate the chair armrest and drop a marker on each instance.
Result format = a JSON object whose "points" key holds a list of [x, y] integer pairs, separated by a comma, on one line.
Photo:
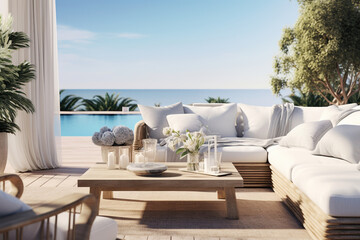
{"points": [[140, 133], [83, 222], [17, 186]]}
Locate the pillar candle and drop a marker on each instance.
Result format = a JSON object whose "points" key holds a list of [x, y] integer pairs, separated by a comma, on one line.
{"points": [[111, 160], [124, 161]]}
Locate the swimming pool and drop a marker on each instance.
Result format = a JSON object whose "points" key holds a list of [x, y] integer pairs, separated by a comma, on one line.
{"points": [[87, 124]]}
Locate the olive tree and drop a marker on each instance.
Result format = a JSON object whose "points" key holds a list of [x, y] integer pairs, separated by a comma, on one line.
{"points": [[321, 53]]}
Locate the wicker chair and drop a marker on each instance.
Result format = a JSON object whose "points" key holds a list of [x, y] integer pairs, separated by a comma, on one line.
{"points": [[11, 226]]}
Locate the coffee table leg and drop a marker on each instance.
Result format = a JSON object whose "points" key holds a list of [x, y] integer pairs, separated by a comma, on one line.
{"points": [[96, 192], [221, 194], [231, 206], [108, 195]]}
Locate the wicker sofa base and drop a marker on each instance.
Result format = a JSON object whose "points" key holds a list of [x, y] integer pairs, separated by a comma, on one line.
{"points": [[254, 174], [318, 224]]}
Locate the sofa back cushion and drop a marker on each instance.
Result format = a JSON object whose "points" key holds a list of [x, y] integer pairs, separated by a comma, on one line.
{"points": [[305, 114], [336, 113], [255, 120], [310, 114], [218, 120], [352, 119], [342, 141], [155, 117]]}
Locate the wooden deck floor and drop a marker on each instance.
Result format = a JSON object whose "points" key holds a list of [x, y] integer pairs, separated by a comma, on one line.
{"points": [[165, 215]]}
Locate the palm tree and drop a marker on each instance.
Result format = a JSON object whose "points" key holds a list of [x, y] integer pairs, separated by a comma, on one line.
{"points": [[305, 99], [69, 102], [217, 100], [108, 103], [13, 77]]}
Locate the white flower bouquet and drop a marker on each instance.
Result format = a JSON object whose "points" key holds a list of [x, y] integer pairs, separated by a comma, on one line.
{"points": [[189, 142]]}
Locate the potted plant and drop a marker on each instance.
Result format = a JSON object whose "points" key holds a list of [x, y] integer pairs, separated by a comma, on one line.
{"points": [[191, 144], [12, 79]]}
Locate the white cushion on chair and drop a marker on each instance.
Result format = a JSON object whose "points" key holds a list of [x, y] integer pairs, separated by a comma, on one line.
{"points": [[103, 228], [10, 204]]}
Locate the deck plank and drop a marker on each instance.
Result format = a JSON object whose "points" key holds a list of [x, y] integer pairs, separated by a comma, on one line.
{"points": [[41, 181], [55, 181], [31, 179], [69, 181]]}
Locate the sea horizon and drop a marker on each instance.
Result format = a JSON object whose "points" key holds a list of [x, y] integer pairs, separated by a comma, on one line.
{"points": [[164, 97]]}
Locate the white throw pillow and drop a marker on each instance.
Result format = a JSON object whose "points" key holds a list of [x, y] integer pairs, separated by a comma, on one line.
{"points": [[239, 122], [306, 135], [255, 120], [341, 142], [336, 113], [155, 117], [11, 205], [183, 122], [217, 120]]}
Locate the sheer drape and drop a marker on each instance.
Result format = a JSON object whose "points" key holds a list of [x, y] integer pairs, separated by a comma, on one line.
{"points": [[35, 147]]}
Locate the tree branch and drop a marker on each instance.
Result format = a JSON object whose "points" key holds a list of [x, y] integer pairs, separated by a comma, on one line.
{"points": [[332, 91], [326, 99]]}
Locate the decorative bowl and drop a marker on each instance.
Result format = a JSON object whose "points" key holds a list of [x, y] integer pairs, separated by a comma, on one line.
{"points": [[147, 169]]}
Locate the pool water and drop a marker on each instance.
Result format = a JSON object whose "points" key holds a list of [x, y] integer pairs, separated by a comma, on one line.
{"points": [[87, 124]]}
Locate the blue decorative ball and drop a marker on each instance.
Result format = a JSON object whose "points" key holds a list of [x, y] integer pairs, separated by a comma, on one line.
{"points": [[123, 135]]}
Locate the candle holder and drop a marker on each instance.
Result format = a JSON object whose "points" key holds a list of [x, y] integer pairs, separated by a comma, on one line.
{"points": [[212, 159], [117, 151]]}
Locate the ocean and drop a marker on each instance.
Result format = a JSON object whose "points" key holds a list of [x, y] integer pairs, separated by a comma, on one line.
{"points": [[87, 124], [261, 97]]}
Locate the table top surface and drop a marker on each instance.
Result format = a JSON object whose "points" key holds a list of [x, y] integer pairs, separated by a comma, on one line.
{"points": [[99, 174]]}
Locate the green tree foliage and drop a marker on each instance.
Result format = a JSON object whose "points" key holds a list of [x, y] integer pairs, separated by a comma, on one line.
{"points": [[217, 100], [108, 103], [12, 77], [305, 99], [69, 102], [321, 54]]}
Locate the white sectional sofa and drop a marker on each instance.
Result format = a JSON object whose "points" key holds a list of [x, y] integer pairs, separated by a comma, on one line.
{"points": [[322, 191]]}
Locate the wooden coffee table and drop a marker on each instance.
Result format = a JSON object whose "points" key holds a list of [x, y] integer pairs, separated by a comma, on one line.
{"points": [[99, 179]]}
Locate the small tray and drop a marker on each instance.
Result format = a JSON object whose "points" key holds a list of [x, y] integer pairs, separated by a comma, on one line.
{"points": [[220, 174]]}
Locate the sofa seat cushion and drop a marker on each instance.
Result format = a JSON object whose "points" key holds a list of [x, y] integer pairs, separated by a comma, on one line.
{"points": [[286, 159], [335, 188], [252, 154]]}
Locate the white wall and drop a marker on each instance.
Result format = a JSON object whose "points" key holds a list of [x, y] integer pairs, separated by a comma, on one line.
{"points": [[4, 7]]}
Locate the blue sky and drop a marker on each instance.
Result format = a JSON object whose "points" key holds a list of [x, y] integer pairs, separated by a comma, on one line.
{"points": [[170, 44]]}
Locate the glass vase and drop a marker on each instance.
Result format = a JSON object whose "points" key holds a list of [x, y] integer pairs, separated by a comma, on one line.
{"points": [[192, 162]]}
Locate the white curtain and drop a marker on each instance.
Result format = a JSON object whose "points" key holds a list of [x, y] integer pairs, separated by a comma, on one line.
{"points": [[35, 146]]}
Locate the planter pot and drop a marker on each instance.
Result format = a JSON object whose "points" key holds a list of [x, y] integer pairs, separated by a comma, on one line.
{"points": [[3, 150]]}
